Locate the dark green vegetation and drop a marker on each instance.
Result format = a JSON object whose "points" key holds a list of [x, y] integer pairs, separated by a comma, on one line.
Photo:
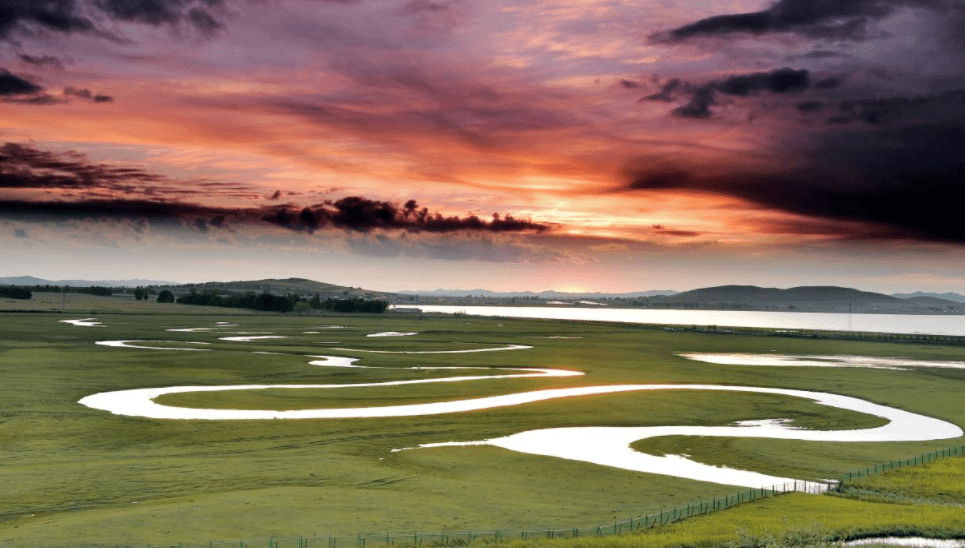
{"points": [[298, 286], [13, 292], [266, 302], [278, 296], [141, 293], [353, 304], [99, 291], [72, 476]]}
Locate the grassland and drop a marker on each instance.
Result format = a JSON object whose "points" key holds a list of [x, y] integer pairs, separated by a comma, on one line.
{"points": [[75, 476], [925, 500], [940, 482], [80, 303]]}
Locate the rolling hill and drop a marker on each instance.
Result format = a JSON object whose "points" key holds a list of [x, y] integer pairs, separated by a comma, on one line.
{"points": [[299, 286], [806, 299]]}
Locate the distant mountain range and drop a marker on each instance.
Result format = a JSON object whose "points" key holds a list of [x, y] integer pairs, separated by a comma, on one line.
{"points": [[726, 297], [530, 294], [300, 286], [31, 281], [805, 299], [946, 296]]}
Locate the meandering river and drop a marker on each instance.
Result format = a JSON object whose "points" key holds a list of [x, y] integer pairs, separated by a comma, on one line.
{"points": [[607, 446]]}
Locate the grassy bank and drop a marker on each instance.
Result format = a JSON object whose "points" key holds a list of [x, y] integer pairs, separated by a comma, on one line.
{"points": [[938, 482]]}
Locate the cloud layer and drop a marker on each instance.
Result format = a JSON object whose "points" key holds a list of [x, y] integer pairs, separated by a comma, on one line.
{"points": [[823, 124], [828, 19], [139, 194], [96, 16]]}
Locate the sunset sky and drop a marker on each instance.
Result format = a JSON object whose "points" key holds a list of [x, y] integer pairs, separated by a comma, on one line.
{"points": [[508, 145]]}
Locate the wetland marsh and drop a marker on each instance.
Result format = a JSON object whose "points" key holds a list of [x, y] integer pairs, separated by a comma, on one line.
{"points": [[79, 475]]}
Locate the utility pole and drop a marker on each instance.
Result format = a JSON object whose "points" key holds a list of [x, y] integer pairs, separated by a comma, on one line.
{"points": [[63, 298], [849, 315]]}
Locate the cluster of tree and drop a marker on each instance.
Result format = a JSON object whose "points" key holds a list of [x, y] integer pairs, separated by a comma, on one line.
{"points": [[275, 303], [14, 292], [265, 301], [353, 304], [96, 290], [141, 293], [92, 290]]}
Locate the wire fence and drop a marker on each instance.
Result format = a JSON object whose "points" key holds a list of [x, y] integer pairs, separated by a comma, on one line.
{"points": [[646, 521], [911, 461], [459, 538]]}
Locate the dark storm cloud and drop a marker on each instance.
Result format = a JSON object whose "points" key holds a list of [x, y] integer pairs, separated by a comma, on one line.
{"points": [[98, 209], [157, 198], [25, 167], [699, 105], [196, 13], [11, 85], [57, 15], [16, 89], [833, 19], [29, 170], [203, 21], [776, 81], [352, 213], [88, 16], [702, 97], [816, 54], [363, 214], [830, 82], [894, 167], [86, 94], [882, 111], [42, 60], [666, 93]]}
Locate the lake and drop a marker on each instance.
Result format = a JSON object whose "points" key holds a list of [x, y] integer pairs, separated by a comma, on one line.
{"points": [[879, 323]]}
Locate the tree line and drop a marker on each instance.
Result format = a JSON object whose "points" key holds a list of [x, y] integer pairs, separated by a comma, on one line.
{"points": [[277, 303], [92, 290], [352, 304], [141, 293], [265, 301], [14, 292]]}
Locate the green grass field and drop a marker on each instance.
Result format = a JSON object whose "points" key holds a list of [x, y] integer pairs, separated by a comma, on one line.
{"points": [[74, 476], [925, 500], [80, 303], [940, 482]]}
